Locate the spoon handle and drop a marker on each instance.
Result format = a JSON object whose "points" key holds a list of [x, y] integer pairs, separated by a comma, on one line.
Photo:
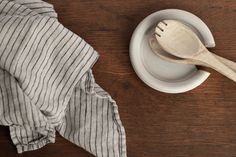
{"points": [[208, 58], [227, 62]]}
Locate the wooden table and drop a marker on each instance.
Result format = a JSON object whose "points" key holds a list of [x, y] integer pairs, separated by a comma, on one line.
{"points": [[200, 123]]}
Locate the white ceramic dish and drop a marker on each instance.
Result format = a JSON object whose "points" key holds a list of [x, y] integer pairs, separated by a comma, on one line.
{"points": [[159, 74]]}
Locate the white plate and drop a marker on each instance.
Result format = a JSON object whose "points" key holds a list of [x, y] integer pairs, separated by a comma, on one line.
{"points": [[159, 74]]}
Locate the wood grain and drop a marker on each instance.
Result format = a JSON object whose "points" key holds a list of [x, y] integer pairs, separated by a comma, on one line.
{"points": [[200, 123]]}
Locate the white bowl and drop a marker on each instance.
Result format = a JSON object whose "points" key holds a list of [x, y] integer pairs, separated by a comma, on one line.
{"points": [[159, 74]]}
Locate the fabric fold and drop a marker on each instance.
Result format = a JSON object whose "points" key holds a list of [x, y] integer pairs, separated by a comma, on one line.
{"points": [[47, 85], [95, 125]]}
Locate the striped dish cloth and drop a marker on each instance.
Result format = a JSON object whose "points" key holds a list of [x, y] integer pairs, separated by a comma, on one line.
{"points": [[47, 85]]}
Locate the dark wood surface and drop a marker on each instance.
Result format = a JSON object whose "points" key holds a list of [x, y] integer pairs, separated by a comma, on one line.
{"points": [[200, 123]]}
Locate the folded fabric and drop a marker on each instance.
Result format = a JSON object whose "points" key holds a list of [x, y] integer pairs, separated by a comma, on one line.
{"points": [[47, 85]]}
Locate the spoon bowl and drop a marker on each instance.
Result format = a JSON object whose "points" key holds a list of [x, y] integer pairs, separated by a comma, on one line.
{"points": [[176, 32]]}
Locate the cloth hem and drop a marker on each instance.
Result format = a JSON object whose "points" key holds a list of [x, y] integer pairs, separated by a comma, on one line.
{"points": [[49, 138]]}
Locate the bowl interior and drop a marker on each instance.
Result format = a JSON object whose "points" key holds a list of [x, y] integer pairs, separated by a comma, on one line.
{"points": [[160, 68]]}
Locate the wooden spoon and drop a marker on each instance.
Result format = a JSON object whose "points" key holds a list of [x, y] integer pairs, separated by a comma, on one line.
{"points": [[156, 48], [179, 40]]}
